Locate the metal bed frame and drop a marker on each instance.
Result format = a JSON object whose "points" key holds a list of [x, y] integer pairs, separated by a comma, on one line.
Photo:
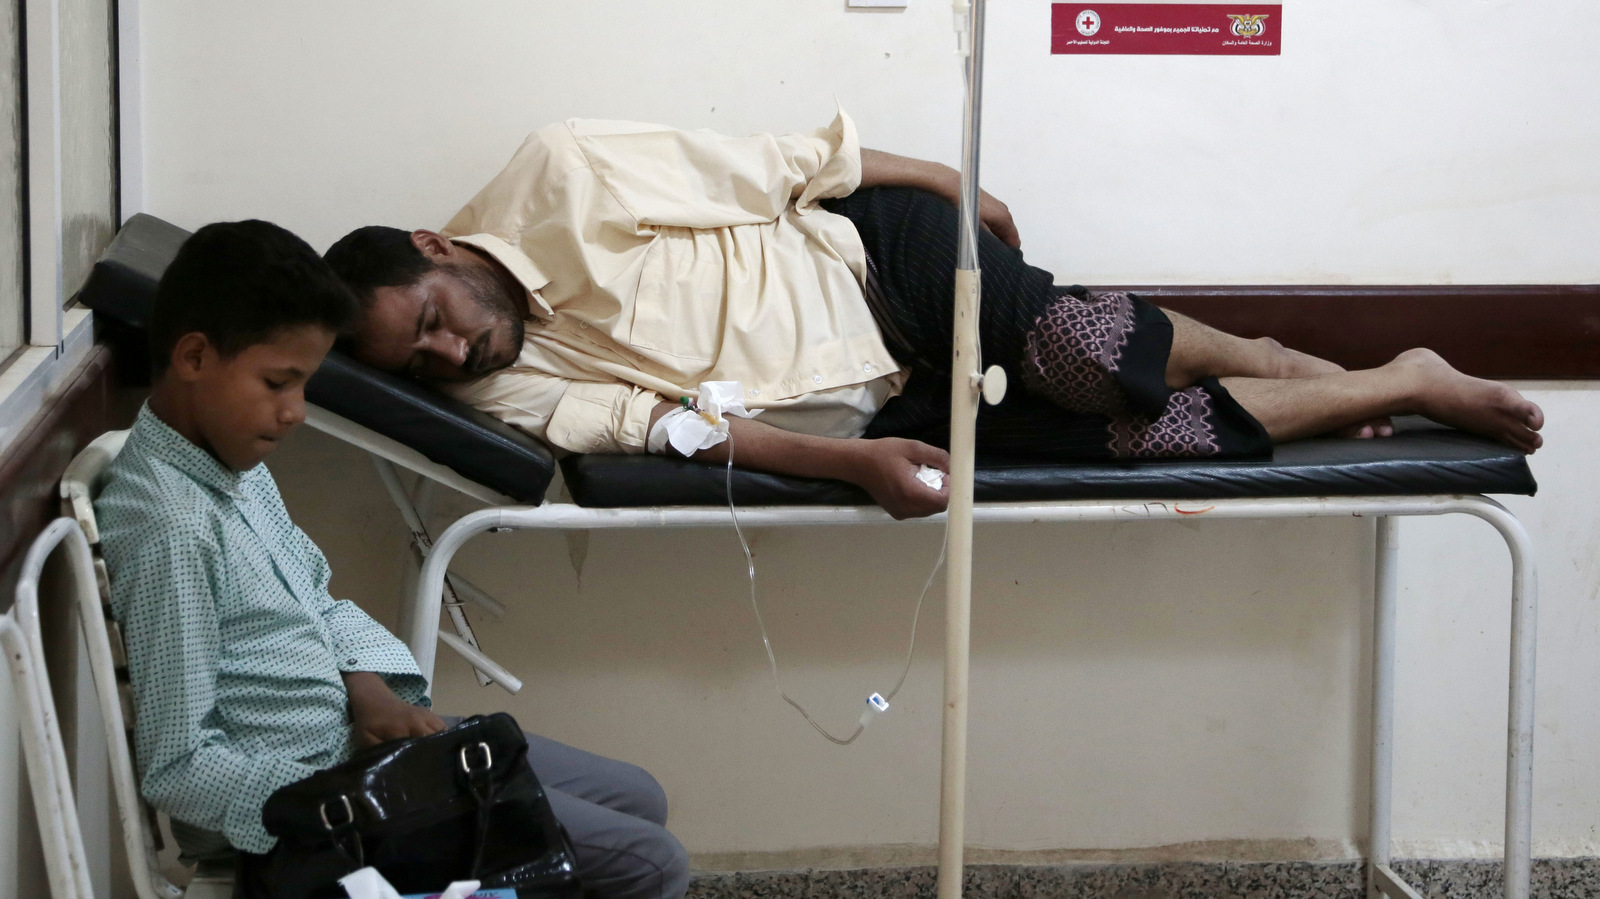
{"points": [[420, 613]]}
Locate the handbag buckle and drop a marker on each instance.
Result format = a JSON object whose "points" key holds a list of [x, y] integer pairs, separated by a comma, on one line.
{"points": [[339, 831], [349, 814], [466, 763]]}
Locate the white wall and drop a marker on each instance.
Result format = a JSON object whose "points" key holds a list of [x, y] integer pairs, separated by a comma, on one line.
{"points": [[1136, 685], [1422, 142]]}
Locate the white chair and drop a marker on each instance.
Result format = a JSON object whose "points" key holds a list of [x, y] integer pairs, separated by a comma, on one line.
{"points": [[108, 664], [65, 862]]}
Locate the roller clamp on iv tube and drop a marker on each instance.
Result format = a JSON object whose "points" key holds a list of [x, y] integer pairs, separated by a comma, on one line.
{"points": [[876, 705]]}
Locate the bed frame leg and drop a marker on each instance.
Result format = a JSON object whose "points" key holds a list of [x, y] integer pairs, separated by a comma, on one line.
{"points": [[1518, 872], [1519, 727], [420, 619], [422, 545], [1384, 602]]}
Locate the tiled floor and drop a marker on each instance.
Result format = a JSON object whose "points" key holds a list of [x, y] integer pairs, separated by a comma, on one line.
{"points": [[1552, 879]]}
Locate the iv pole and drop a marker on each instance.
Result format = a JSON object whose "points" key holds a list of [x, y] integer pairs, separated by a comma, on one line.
{"points": [[965, 383]]}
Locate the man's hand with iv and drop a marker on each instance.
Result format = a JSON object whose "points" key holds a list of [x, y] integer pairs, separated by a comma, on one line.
{"points": [[886, 468], [377, 715]]}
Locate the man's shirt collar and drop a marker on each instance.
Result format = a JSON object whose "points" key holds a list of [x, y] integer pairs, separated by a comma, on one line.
{"points": [[161, 441], [518, 264]]}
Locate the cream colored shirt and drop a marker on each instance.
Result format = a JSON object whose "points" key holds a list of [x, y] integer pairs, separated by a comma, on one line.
{"points": [[656, 259]]}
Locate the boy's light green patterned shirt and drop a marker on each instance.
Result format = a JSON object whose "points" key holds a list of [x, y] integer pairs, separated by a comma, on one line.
{"points": [[235, 648]]}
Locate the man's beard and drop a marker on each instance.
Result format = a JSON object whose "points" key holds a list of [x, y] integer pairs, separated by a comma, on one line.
{"points": [[490, 294]]}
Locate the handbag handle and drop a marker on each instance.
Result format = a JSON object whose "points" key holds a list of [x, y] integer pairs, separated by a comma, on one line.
{"points": [[477, 762], [481, 785]]}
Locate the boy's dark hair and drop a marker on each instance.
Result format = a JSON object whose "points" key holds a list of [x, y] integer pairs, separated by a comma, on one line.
{"points": [[377, 256], [240, 282]]}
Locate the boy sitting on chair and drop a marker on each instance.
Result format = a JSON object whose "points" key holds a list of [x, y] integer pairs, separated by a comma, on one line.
{"points": [[247, 675]]}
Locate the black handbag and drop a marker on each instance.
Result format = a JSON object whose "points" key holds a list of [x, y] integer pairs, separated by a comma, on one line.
{"points": [[461, 804]]}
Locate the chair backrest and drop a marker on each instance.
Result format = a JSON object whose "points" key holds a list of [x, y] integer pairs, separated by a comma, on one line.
{"points": [[108, 665], [60, 835]]}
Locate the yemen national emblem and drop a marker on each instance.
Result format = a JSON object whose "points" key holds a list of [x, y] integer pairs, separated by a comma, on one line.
{"points": [[1247, 26]]}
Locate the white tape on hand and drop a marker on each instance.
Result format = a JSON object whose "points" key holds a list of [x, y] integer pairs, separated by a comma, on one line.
{"points": [[686, 431], [724, 398], [691, 430]]}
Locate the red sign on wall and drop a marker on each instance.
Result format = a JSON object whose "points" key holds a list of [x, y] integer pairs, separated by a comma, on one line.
{"points": [[1183, 29]]}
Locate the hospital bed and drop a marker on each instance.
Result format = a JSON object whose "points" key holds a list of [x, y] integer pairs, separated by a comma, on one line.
{"points": [[1424, 470]]}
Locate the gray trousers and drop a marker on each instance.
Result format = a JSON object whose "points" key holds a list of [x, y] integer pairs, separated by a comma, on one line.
{"points": [[616, 815]]}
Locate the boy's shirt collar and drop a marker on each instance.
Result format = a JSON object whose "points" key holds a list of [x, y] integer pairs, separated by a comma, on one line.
{"points": [[176, 450]]}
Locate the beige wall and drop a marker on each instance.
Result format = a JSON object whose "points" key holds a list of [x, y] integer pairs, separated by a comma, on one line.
{"points": [[1415, 143], [1135, 685]]}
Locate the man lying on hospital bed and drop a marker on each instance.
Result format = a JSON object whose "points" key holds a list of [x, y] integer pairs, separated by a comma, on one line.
{"points": [[612, 268]]}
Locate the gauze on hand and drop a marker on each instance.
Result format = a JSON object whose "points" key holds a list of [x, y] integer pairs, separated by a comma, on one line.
{"points": [[691, 430]]}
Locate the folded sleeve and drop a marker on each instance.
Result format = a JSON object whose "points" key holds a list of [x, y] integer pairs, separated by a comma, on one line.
{"points": [[602, 418], [365, 645], [361, 643], [700, 179], [189, 768], [576, 416]]}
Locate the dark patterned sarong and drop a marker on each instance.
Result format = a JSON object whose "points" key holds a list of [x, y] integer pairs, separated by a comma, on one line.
{"points": [[1087, 371]]}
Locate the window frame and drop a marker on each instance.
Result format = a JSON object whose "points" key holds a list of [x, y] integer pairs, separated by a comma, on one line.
{"points": [[56, 337], [16, 314], [41, 90]]}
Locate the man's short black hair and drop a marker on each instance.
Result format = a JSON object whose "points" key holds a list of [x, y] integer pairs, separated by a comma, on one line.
{"points": [[377, 256], [238, 283]]}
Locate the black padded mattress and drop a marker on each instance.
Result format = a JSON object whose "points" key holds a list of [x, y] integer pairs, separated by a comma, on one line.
{"points": [[1421, 459]]}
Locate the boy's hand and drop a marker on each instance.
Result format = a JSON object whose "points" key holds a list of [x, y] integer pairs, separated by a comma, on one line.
{"points": [[377, 715]]}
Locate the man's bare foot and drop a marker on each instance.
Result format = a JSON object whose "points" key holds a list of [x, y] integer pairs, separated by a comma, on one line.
{"points": [[1289, 363], [1471, 404]]}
